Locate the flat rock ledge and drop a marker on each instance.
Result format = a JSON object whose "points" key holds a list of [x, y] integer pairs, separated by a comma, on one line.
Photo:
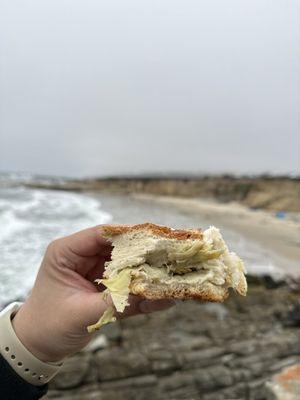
{"points": [[195, 350]]}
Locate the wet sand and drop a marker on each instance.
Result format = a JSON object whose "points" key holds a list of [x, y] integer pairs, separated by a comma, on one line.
{"points": [[280, 236]]}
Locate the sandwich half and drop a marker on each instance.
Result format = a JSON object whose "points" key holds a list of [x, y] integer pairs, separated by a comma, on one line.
{"points": [[157, 262]]}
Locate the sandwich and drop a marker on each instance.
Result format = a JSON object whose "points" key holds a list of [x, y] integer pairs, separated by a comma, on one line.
{"points": [[157, 262]]}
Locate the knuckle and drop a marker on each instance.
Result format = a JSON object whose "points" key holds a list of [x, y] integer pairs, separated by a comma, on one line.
{"points": [[59, 254], [52, 246]]}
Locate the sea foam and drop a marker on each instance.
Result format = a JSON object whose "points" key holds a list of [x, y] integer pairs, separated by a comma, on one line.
{"points": [[29, 220]]}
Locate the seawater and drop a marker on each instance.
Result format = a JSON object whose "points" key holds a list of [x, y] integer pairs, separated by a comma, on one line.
{"points": [[31, 218]]}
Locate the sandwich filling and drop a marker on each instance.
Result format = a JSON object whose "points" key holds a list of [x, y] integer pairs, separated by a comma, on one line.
{"points": [[143, 255]]}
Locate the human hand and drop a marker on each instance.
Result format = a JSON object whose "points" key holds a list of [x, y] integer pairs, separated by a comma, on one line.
{"points": [[52, 323]]}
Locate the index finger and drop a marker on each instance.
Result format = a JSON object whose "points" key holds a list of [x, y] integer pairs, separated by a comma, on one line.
{"points": [[88, 242]]}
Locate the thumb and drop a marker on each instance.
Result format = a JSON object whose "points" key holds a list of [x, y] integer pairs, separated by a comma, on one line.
{"points": [[95, 304]]}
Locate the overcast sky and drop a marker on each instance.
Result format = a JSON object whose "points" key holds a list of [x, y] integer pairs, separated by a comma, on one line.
{"points": [[95, 87]]}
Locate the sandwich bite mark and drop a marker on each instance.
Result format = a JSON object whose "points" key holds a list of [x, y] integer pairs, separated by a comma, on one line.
{"points": [[157, 262]]}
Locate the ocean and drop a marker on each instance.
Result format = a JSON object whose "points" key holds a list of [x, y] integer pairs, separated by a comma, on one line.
{"points": [[31, 218]]}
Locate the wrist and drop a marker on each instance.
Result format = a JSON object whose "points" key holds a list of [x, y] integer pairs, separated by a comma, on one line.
{"points": [[32, 335], [22, 361]]}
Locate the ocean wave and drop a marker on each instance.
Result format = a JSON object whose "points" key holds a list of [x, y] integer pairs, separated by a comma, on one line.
{"points": [[29, 220]]}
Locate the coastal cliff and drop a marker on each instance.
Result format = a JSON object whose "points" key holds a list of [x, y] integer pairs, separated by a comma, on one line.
{"points": [[270, 193]]}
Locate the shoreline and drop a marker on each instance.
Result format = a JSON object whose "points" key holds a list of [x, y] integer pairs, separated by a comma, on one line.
{"points": [[282, 237], [211, 351], [277, 194]]}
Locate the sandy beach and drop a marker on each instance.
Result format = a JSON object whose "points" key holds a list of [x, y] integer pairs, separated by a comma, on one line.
{"points": [[183, 115], [279, 236], [195, 350]]}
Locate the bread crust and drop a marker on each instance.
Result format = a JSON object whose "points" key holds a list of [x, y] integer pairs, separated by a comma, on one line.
{"points": [[157, 230], [153, 291], [144, 287]]}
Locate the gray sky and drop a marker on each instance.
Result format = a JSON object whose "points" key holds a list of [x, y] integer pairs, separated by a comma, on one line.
{"points": [[106, 87]]}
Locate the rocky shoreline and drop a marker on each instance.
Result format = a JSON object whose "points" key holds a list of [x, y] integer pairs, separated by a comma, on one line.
{"points": [[192, 351], [197, 350], [270, 193]]}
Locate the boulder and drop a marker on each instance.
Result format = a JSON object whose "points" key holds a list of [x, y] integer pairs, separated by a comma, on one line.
{"points": [[285, 385]]}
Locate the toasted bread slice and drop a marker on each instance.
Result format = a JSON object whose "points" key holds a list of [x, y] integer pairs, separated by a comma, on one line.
{"points": [[157, 262], [181, 264]]}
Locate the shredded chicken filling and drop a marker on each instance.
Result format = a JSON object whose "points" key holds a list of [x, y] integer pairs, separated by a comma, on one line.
{"points": [[161, 259]]}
